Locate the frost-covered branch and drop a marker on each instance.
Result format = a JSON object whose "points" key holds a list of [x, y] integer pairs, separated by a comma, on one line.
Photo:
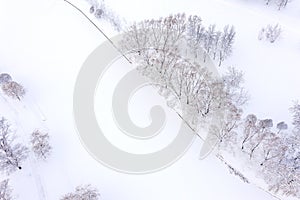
{"points": [[5, 190]]}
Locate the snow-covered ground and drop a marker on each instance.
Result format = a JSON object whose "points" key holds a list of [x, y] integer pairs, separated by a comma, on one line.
{"points": [[43, 44]]}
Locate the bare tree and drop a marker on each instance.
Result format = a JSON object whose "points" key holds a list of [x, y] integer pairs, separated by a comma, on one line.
{"points": [[226, 43], [5, 78], [11, 154], [233, 81], [40, 144], [5, 190], [209, 40], [196, 34], [85, 192], [224, 129], [216, 45], [167, 34], [14, 90]]}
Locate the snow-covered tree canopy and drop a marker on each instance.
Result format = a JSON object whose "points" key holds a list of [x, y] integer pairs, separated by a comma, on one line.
{"points": [[40, 144], [12, 154], [14, 90], [85, 192]]}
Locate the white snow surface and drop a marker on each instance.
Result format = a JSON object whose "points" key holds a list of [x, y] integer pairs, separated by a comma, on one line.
{"points": [[43, 44]]}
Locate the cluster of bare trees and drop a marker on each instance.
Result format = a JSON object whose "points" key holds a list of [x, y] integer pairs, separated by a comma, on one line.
{"points": [[167, 34], [163, 35], [10, 87], [83, 192], [209, 41], [14, 153], [270, 33], [273, 151], [280, 3], [168, 52], [160, 48]]}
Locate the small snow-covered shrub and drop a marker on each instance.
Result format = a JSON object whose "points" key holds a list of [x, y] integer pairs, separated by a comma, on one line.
{"points": [[270, 33]]}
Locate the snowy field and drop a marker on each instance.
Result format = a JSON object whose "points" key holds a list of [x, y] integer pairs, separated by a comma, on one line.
{"points": [[43, 44]]}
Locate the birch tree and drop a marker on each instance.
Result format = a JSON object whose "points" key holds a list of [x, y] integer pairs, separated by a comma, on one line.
{"points": [[195, 35], [209, 40]]}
